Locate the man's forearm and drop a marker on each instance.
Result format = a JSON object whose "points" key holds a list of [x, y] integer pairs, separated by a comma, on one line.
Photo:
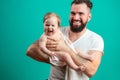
{"points": [[35, 53], [77, 59], [91, 66]]}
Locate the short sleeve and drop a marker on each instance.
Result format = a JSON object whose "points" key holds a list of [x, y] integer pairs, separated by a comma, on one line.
{"points": [[97, 44]]}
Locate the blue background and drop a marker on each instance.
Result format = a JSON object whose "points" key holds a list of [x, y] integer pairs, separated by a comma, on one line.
{"points": [[21, 25]]}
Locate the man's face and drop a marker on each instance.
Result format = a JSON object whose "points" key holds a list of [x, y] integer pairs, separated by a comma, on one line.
{"points": [[51, 26], [79, 16]]}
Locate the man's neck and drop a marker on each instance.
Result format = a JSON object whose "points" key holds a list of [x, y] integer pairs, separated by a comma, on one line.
{"points": [[74, 36]]}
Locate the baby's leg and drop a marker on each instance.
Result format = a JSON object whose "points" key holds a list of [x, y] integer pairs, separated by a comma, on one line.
{"points": [[85, 56], [71, 63], [67, 58]]}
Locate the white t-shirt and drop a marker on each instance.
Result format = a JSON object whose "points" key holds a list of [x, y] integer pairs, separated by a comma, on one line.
{"points": [[88, 41]]}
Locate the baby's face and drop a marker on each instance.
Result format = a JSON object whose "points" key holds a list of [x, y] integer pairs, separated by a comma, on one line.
{"points": [[51, 26]]}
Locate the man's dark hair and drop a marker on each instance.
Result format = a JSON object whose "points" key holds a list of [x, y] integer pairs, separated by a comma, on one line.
{"points": [[87, 2]]}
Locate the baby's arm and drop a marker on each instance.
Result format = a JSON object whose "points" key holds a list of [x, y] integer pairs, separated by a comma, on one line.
{"points": [[42, 45]]}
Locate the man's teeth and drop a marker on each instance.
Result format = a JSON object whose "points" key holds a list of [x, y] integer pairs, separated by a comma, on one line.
{"points": [[76, 23]]}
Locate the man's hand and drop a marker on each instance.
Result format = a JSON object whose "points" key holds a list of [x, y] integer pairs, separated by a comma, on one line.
{"points": [[35, 53], [56, 45]]}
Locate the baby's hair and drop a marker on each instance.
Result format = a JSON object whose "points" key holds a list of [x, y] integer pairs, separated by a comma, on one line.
{"points": [[51, 14]]}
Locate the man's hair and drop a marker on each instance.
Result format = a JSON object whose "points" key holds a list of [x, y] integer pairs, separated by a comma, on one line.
{"points": [[87, 2], [51, 14]]}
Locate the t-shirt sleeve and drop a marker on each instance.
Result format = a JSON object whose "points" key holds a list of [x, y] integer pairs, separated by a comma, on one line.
{"points": [[98, 44]]}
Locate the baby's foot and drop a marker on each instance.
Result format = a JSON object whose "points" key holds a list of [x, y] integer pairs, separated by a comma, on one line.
{"points": [[81, 68]]}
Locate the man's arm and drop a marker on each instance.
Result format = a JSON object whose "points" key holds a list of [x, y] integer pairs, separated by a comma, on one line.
{"points": [[91, 66], [35, 53]]}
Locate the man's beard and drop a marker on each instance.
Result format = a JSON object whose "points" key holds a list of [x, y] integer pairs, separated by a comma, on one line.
{"points": [[77, 28]]}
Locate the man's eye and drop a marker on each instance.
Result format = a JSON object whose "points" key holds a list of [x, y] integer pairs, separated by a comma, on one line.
{"points": [[73, 13], [81, 13]]}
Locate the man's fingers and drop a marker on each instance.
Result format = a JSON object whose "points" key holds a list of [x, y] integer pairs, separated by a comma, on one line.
{"points": [[51, 39], [51, 42], [52, 49], [51, 46]]}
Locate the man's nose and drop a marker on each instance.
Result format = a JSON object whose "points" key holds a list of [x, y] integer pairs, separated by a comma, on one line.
{"points": [[76, 17]]}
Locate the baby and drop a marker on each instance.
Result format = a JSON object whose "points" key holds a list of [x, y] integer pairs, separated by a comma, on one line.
{"points": [[51, 28]]}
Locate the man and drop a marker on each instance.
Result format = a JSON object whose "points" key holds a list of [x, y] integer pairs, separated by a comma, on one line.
{"points": [[81, 38]]}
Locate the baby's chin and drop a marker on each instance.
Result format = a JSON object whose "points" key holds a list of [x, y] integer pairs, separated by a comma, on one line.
{"points": [[50, 33]]}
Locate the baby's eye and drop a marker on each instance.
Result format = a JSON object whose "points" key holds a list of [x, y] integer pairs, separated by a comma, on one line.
{"points": [[53, 25], [47, 25]]}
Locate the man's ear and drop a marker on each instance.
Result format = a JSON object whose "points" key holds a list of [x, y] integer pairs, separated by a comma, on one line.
{"points": [[89, 18]]}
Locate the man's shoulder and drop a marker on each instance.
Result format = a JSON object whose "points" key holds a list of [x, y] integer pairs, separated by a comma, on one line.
{"points": [[94, 35]]}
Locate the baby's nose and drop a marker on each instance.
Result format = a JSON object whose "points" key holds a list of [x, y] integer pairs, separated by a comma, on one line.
{"points": [[50, 27]]}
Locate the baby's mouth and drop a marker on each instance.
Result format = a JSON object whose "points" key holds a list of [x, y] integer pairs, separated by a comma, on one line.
{"points": [[50, 31]]}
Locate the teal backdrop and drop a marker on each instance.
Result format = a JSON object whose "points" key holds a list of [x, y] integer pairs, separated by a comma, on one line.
{"points": [[21, 24]]}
